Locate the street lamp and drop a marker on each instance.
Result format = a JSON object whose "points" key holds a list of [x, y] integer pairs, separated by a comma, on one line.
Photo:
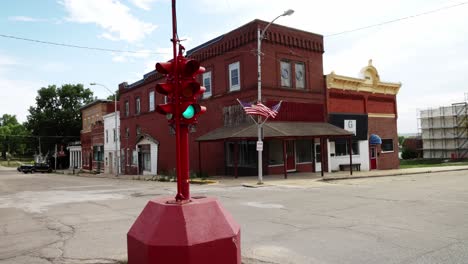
{"points": [[261, 35], [115, 124]]}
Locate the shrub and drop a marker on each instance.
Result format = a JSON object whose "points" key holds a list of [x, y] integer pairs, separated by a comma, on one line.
{"points": [[409, 154]]}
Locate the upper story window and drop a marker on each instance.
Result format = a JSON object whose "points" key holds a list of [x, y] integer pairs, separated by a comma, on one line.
{"points": [[151, 101], [137, 105], [127, 108], [285, 74], [115, 135], [138, 130], [127, 132], [292, 74], [107, 136], [300, 75], [207, 84], [234, 76]]}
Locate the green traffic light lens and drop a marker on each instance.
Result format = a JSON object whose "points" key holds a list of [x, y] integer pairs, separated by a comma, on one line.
{"points": [[189, 112]]}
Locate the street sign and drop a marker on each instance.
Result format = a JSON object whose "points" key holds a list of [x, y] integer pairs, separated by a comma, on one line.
{"points": [[259, 145]]}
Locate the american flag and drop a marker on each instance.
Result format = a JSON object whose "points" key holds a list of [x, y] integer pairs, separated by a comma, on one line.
{"points": [[260, 109]]}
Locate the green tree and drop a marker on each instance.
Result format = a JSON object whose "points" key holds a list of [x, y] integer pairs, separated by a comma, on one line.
{"points": [[111, 97], [56, 117], [12, 136], [401, 139]]}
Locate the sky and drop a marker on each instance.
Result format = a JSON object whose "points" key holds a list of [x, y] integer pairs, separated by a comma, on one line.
{"points": [[427, 53]]}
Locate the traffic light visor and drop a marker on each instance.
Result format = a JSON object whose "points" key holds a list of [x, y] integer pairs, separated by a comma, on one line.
{"points": [[165, 109], [165, 67], [164, 88]]}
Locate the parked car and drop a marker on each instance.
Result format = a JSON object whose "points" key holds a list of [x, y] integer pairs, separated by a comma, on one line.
{"points": [[25, 168], [42, 167], [37, 167]]}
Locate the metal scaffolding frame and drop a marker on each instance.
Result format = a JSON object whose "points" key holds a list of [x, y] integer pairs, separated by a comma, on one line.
{"points": [[444, 131]]}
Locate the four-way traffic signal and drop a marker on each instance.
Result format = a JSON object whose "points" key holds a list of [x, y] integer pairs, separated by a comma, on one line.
{"points": [[182, 90]]}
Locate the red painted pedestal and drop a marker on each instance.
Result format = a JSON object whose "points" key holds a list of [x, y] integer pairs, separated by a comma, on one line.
{"points": [[198, 232]]}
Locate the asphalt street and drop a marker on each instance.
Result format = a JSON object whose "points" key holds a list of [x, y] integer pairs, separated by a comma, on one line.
{"points": [[52, 218]]}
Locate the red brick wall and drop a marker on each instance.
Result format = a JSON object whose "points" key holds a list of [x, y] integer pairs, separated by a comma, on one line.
{"points": [[386, 128], [86, 150], [381, 105], [347, 104]]}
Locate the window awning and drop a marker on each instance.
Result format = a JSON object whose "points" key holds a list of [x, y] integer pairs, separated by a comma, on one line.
{"points": [[276, 130], [375, 140]]}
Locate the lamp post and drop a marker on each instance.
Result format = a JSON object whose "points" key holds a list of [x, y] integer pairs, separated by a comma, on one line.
{"points": [[261, 35], [115, 127]]}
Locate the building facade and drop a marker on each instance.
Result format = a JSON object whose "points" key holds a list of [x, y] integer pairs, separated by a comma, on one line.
{"points": [[92, 134], [444, 131], [292, 71], [367, 107], [300, 138], [112, 143]]}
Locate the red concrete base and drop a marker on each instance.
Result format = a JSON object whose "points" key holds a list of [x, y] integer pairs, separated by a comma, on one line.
{"points": [[198, 232]]}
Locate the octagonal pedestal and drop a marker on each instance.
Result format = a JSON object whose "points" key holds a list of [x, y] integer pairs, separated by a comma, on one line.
{"points": [[198, 232]]}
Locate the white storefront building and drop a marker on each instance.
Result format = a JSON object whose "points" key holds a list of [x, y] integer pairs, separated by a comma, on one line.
{"points": [[74, 149], [112, 143]]}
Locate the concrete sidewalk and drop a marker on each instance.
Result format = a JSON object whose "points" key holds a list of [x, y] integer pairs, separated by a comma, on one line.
{"points": [[294, 179], [396, 172]]}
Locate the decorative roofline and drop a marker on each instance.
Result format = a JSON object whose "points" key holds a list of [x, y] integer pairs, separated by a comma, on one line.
{"points": [[369, 83]]}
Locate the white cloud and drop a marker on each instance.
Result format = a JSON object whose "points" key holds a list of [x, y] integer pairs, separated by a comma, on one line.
{"points": [[113, 16], [26, 19], [143, 4]]}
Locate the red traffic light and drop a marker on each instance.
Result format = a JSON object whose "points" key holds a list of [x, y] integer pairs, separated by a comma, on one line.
{"points": [[165, 109], [165, 88], [189, 67], [190, 89], [165, 67]]}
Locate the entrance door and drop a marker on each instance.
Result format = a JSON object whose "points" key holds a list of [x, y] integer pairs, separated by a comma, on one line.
{"points": [[373, 158], [318, 157], [111, 164], [290, 156]]}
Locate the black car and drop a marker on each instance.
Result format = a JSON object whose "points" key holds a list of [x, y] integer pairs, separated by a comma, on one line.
{"points": [[37, 167]]}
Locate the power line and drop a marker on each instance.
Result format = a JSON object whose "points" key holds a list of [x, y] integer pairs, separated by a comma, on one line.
{"points": [[161, 53], [398, 19], [77, 46]]}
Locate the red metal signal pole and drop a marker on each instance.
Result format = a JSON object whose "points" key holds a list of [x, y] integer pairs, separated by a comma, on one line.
{"points": [[184, 231]]}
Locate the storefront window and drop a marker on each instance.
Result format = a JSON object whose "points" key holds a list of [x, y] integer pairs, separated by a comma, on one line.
{"points": [[247, 154], [342, 148], [304, 150], [275, 152]]}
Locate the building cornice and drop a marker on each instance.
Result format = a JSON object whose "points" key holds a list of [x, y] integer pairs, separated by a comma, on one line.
{"points": [[381, 115], [370, 83]]}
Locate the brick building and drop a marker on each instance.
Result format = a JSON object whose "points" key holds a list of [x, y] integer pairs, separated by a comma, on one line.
{"points": [[224, 142], [369, 107], [92, 134]]}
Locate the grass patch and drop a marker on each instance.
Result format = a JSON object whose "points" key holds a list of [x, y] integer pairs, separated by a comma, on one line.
{"points": [[13, 163], [202, 181], [422, 163]]}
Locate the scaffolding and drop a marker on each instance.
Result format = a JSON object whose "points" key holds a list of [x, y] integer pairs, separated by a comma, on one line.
{"points": [[444, 131]]}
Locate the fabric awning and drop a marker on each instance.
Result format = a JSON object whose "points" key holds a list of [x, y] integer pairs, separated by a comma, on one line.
{"points": [[276, 130], [375, 140]]}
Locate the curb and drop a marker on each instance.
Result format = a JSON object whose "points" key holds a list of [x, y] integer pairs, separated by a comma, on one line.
{"points": [[387, 175]]}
